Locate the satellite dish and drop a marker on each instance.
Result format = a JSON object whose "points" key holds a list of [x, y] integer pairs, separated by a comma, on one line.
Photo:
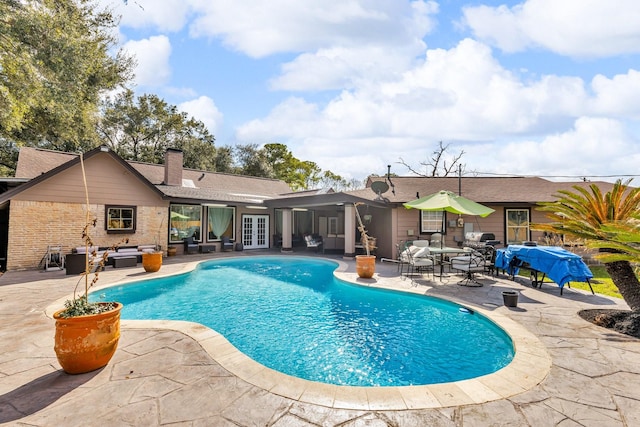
{"points": [[379, 187]]}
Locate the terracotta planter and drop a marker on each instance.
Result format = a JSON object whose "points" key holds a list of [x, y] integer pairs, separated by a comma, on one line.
{"points": [[86, 343], [365, 266], [151, 261]]}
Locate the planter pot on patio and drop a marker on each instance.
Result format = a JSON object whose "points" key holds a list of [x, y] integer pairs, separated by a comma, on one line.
{"points": [[365, 266], [151, 261], [171, 251], [510, 298], [86, 343]]}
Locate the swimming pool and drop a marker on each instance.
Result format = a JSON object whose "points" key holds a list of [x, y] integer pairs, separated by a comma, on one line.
{"points": [[292, 315]]}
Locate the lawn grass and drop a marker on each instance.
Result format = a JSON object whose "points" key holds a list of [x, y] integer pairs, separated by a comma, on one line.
{"points": [[601, 282]]}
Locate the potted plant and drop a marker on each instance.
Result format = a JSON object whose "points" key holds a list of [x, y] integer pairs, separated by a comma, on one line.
{"points": [[365, 264], [87, 333], [152, 260]]}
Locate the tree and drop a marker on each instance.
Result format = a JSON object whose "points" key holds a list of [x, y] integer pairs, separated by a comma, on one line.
{"points": [[338, 183], [142, 129], [251, 161], [438, 164], [276, 161], [591, 215], [55, 63]]}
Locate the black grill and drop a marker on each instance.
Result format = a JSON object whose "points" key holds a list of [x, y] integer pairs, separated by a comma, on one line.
{"points": [[478, 239]]}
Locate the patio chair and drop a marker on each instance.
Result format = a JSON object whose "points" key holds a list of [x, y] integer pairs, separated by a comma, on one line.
{"points": [[489, 253], [226, 244], [313, 243], [469, 265], [436, 239], [419, 260], [190, 245], [401, 261]]}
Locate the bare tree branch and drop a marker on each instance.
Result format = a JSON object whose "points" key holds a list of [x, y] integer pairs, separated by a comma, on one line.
{"points": [[437, 165]]}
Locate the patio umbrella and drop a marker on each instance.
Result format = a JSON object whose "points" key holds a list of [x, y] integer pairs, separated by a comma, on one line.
{"points": [[450, 202], [178, 216]]}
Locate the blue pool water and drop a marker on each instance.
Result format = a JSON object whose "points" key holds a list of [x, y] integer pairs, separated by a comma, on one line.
{"points": [[292, 315]]}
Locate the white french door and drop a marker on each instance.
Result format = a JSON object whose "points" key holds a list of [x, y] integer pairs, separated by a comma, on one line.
{"points": [[255, 231]]}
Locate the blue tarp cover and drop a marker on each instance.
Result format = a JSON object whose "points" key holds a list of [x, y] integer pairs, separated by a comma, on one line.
{"points": [[557, 263]]}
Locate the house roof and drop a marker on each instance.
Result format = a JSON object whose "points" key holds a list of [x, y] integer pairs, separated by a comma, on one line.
{"points": [[486, 190], [198, 186], [33, 162], [72, 160], [202, 186]]}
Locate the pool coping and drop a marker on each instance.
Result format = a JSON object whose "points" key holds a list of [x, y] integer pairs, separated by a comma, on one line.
{"points": [[529, 367]]}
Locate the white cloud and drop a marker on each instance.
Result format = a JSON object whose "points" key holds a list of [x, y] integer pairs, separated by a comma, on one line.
{"points": [[152, 57], [618, 95], [592, 146], [205, 110], [259, 28], [577, 28], [159, 15], [461, 96]]}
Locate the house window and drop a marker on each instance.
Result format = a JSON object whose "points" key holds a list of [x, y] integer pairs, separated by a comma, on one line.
{"points": [[431, 221], [517, 225], [120, 219], [185, 221], [221, 222]]}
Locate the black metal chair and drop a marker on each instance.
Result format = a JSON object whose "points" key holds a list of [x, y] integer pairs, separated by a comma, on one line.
{"points": [[190, 246], [469, 265]]}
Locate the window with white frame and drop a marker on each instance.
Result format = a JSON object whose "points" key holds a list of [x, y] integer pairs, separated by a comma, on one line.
{"points": [[220, 222], [431, 221], [120, 219], [517, 225]]}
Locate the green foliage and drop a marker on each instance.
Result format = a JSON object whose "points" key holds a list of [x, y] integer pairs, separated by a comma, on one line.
{"points": [[142, 129], [583, 214], [81, 307], [55, 62], [276, 161]]}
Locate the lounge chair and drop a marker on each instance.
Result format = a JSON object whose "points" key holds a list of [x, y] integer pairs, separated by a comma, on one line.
{"points": [[313, 243]]}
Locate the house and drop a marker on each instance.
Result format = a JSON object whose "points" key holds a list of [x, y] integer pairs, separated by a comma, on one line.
{"points": [[164, 204], [514, 200]]}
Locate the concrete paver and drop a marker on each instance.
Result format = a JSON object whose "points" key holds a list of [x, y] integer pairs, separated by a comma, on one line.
{"points": [[163, 376]]}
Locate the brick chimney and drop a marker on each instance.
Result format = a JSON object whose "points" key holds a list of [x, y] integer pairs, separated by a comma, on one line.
{"points": [[173, 167]]}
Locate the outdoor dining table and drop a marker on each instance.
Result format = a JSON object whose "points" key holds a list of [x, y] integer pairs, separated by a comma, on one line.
{"points": [[442, 251], [554, 262]]}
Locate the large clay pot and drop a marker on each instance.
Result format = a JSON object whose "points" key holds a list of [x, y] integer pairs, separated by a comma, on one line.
{"points": [[86, 343], [151, 261], [365, 266]]}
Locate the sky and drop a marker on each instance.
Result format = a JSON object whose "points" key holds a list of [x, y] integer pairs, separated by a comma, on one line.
{"points": [[537, 87]]}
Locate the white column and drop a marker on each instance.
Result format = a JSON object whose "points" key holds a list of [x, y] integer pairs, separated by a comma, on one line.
{"points": [[349, 230], [286, 230]]}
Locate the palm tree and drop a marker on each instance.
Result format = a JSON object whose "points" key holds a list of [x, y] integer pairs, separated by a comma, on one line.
{"points": [[594, 217]]}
